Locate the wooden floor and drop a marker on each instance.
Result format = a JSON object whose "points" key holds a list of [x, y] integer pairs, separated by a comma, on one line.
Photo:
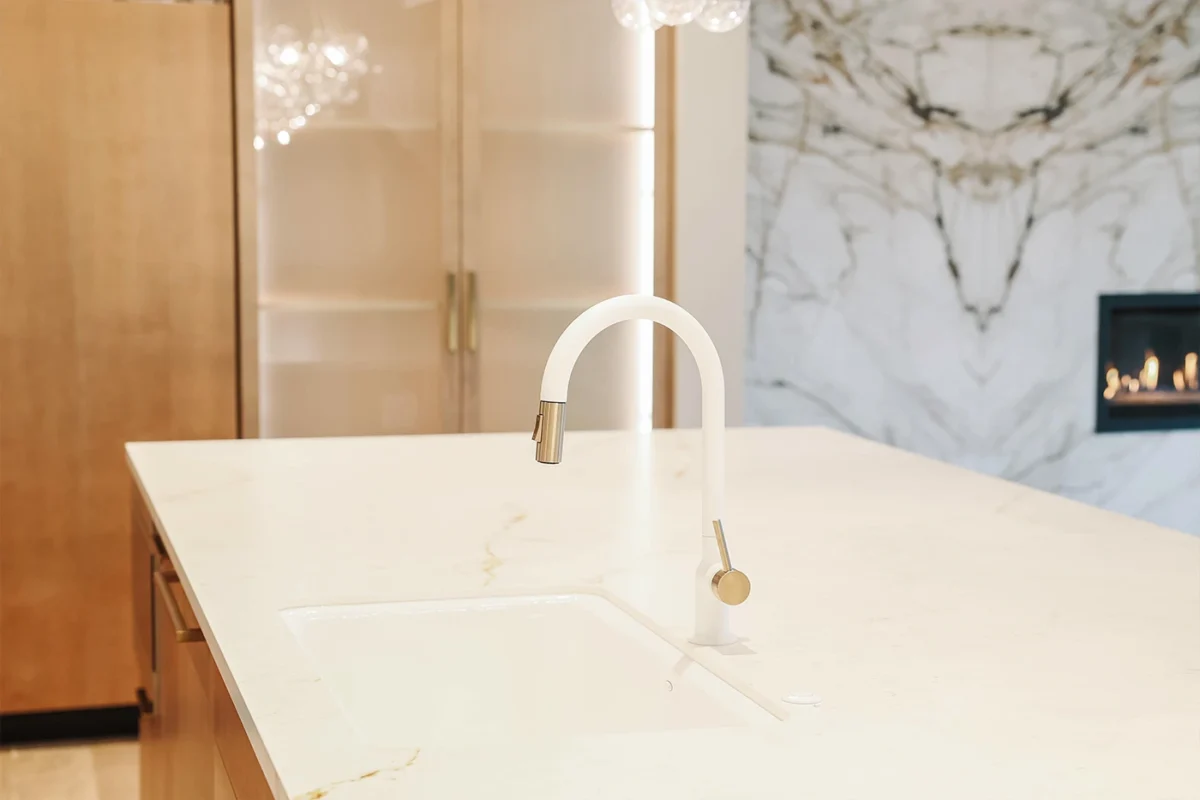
{"points": [[107, 771]]}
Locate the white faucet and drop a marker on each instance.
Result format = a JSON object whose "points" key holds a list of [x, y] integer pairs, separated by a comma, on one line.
{"points": [[718, 584]]}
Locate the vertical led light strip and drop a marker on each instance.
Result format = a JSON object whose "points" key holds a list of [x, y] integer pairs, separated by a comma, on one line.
{"points": [[645, 227]]}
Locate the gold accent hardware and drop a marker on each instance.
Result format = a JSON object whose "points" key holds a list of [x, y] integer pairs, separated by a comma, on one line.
{"points": [[182, 632], [731, 586], [472, 312], [452, 312], [548, 431]]}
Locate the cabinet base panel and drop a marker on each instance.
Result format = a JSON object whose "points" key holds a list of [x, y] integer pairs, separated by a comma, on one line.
{"points": [[109, 722]]}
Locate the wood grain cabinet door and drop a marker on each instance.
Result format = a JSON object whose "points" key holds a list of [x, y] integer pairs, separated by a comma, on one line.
{"points": [[117, 312], [178, 738], [222, 788], [160, 730], [145, 555], [192, 764]]}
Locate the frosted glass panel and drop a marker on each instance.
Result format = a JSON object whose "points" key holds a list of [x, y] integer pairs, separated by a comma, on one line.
{"points": [[350, 373], [558, 189], [351, 212], [563, 60], [576, 232], [515, 344], [356, 167]]}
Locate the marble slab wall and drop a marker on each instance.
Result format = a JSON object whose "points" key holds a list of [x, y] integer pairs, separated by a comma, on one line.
{"points": [[938, 191]]}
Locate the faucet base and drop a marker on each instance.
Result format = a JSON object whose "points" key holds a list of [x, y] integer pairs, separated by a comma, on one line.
{"points": [[712, 616], [718, 640]]}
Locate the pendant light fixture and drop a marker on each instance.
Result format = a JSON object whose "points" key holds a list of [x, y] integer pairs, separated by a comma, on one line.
{"points": [[718, 16]]}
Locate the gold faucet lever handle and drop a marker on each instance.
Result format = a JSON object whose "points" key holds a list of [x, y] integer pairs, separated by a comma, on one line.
{"points": [[730, 586], [722, 547]]}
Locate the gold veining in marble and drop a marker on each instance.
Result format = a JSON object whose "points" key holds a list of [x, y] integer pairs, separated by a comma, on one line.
{"points": [[325, 791]]}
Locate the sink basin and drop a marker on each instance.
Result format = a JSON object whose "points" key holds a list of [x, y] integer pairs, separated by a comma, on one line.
{"points": [[531, 666]]}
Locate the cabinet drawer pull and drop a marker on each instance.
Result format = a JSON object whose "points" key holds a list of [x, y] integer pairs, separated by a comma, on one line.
{"points": [[182, 632]]}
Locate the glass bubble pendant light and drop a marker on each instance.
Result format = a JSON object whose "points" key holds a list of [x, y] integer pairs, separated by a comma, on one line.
{"points": [[634, 14], [675, 12], [722, 16]]}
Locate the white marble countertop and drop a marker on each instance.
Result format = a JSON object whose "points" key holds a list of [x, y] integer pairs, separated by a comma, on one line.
{"points": [[969, 638]]}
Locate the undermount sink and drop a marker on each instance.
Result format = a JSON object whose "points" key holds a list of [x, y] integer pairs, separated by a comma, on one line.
{"points": [[530, 666]]}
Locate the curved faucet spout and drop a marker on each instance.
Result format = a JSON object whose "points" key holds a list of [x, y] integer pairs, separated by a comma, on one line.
{"points": [[717, 583]]}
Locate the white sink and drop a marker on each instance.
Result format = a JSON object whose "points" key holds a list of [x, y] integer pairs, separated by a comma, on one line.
{"points": [[533, 666]]}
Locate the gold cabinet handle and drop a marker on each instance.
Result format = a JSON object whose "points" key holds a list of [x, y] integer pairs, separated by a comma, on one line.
{"points": [[452, 312], [472, 313], [182, 632]]}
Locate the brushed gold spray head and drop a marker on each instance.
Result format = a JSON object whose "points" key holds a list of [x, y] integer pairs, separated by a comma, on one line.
{"points": [[548, 430]]}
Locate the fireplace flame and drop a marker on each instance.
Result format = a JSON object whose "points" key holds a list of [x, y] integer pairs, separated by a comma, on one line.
{"points": [[1146, 381], [1113, 377], [1148, 377]]}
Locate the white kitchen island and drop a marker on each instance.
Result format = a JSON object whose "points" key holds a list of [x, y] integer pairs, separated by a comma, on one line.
{"points": [[966, 637]]}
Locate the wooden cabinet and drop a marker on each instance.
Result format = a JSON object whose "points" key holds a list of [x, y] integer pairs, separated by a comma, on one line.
{"points": [[193, 745], [222, 788], [184, 705], [146, 549], [117, 313]]}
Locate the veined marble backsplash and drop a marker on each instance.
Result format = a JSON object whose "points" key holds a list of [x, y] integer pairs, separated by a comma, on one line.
{"points": [[938, 193]]}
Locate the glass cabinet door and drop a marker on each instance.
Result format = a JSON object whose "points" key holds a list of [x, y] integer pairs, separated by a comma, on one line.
{"points": [[558, 114], [356, 182]]}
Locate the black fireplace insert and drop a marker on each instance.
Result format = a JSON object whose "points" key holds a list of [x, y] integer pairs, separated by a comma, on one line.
{"points": [[1149, 377]]}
